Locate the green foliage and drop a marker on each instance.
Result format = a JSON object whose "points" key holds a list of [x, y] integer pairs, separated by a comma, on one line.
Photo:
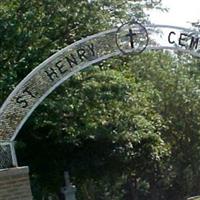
{"points": [[30, 32], [127, 128], [105, 122], [33, 30], [178, 84]]}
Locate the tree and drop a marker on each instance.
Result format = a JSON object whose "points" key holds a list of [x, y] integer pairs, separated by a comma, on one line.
{"points": [[33, 30], [108, 118], [177, 81]]}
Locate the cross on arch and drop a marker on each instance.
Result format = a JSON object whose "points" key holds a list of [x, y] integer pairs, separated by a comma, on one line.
{"points": [[131, 35]]}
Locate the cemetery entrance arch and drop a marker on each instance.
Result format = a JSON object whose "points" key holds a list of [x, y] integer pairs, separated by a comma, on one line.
{"points": [[131, 38]]}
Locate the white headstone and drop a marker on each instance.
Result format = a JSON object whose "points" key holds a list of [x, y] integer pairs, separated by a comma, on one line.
{"points": [[69, 190]]}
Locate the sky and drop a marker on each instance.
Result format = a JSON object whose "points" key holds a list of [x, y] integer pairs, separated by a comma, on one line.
{"points": [[180, 13]]}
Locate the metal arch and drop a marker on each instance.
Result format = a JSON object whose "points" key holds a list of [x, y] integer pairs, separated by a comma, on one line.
{"points": [[172, 27], [54, 87], [101, 55], [51, 58]]}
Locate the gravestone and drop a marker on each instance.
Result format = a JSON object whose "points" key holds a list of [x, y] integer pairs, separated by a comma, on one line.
{"points": [[15, 184], [68, 190]]}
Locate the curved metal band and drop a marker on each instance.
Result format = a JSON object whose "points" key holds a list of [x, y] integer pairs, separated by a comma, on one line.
{"points": [[46, 77]]}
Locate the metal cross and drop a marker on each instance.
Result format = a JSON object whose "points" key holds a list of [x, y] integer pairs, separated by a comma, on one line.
{"points": [[131, 34]]}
